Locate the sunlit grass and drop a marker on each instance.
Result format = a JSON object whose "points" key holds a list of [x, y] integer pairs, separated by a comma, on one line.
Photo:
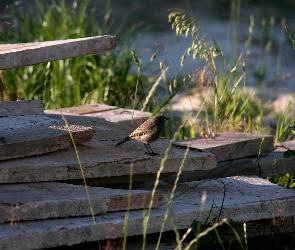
{"points": [[87, 79]]}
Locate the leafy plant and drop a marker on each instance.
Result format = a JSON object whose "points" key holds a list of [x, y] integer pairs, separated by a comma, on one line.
{"points": [[284, 180], [226, 105], [289, 153], [105, 77], [285, 126]]}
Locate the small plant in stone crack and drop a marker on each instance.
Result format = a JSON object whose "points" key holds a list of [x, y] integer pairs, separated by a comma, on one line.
{"points": [[208, 233]]}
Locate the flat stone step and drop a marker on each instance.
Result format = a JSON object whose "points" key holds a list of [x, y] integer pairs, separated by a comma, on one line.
{"points": [[223, 169], [275, 163], [231, 145], [240, 199], [286, 145], [265, 165], [100, 157], [23, 107], [21, 54], [107, 112], [39, 201], [37, 134]]}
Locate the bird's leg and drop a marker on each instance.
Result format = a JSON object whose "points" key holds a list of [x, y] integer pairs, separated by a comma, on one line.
{"points": [[152, 150], [2, 139], [149, 150]]}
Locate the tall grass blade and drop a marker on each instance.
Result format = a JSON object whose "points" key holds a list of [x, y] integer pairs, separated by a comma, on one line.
{"points": [[153, 89], [219, 239], [206, 231], [126, 222], [168, 99], [290, 36], [83, 175], [164, 159], [171, 196], [245, 235], [236, 236], [138, 64]]}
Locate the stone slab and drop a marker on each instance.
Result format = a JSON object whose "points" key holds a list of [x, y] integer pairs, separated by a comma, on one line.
{"points": [[169, 242], [274, 163], [265, 165], [107, 112], [100, 157], [286, 145], [87, 109], [39, 201], [223, 169], [231, 145], [24, 107], [245, 199], [36, 134], [15, 55]]}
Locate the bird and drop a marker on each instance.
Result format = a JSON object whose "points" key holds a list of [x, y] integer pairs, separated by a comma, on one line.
{"points": [[148, 132]]}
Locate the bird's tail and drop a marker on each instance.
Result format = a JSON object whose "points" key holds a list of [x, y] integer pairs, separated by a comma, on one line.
{"points": [[123, 141]]}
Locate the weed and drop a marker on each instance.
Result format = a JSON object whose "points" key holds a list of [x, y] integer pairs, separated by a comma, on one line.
{"points": [[284, 180], [88, 79], [226, 106], [83, 177], [285, 123]]}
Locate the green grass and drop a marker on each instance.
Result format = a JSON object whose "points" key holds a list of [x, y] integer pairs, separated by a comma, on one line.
{"points": [[87, 79], [227, 104]]}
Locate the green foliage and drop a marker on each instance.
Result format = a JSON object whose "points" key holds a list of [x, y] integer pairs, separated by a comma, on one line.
{"points": [[185, 25], [168, 99], [285, 130], [290, 36], [285, 126], [236, 110], [284, 180], [289, 153], [214, 237], [226, 105], [87, 79]]}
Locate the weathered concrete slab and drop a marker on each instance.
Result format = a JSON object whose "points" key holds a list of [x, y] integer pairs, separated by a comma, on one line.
{"points": [[15, 55], [229, 146], [246, 199], [25, 107], [39, 201], [107, 112], [223, 169], [274, 163], [100, 161], [169, 242], [286, 144], [87, 109], [36, 134], [267, 164], [282, 225], [100, 157], [71, 233]]}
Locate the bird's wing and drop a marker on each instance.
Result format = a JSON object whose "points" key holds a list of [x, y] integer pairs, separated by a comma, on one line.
{"points": [[142, 129], [137, 133]]}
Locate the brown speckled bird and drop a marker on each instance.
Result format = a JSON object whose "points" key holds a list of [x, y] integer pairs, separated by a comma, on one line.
{"points": [[148, 132]]}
